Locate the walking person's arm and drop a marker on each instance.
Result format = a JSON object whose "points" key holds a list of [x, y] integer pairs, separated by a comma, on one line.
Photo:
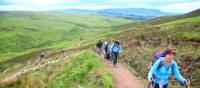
{"points": [[178, 75], [111, 46]]}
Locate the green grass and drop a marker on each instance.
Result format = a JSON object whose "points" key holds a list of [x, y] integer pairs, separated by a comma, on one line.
{"points": [[185, 20], [81, 70], [185, 29], [25, 31], [84, 69], [143, 39]]}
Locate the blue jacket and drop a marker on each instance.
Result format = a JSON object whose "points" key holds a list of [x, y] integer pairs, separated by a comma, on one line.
{"points": [[163, 73]]}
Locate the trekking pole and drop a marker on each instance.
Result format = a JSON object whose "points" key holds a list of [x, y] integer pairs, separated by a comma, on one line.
{"points": [[149, 84], [153, 85], [161, 84]]}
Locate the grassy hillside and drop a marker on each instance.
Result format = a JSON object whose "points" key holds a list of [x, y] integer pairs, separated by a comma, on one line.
{"points": [[186, 20], [141, 40], [165, 19], [82, 70], [23, 32], [30, 32]]}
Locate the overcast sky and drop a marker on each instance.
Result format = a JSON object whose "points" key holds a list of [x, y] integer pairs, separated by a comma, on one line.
{"points": [[178, 6]]}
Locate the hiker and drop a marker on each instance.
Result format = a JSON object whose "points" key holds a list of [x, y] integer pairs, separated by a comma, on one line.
{"points": [[162, 69], [107, 56], [42, 56], [160, 53], [110, 50], [103, 49], [62, 52], [106, 50], [114, 50], [99, 45]]}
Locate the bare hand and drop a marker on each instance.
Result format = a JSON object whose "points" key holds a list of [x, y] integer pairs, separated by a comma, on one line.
{"points": [[188, 83], [150, 81]]}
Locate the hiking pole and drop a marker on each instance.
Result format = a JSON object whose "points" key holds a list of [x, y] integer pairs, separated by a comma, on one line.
{"points": [[187, 86], [161, 84], [149, 84]]}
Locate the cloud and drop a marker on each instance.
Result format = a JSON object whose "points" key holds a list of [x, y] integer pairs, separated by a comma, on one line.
{"points": [[30, 2], [181, 7], [29, 8], [81, 7]]}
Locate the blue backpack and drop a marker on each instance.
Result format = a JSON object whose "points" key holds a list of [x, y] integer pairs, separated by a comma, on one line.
{"points": [[116, 48]]}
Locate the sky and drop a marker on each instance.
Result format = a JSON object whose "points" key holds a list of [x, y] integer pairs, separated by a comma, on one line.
{"points": [[176, 6]]}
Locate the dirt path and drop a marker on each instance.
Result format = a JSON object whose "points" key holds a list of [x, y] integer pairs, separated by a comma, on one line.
{"points": [[12, 77], [123, 77]]}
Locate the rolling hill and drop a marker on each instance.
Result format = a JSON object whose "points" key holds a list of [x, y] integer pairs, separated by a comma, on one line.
{"points": [[130, 13], [173, 18], [24, 35], [23, 32], [142, 39]]}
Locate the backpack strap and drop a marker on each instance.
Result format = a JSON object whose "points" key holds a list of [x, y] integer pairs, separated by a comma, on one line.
{"points": [[172, 66], [160, 64], [114, 45]]}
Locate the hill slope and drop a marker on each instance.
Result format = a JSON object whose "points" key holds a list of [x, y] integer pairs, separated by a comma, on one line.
{"points": [[26, 31], [141, 40], [132, 13], [164, 19]]}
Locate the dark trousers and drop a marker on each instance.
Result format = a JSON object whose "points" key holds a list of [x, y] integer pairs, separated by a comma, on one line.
{"points": [[156, 85], [115, 57], [107, 56]]}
